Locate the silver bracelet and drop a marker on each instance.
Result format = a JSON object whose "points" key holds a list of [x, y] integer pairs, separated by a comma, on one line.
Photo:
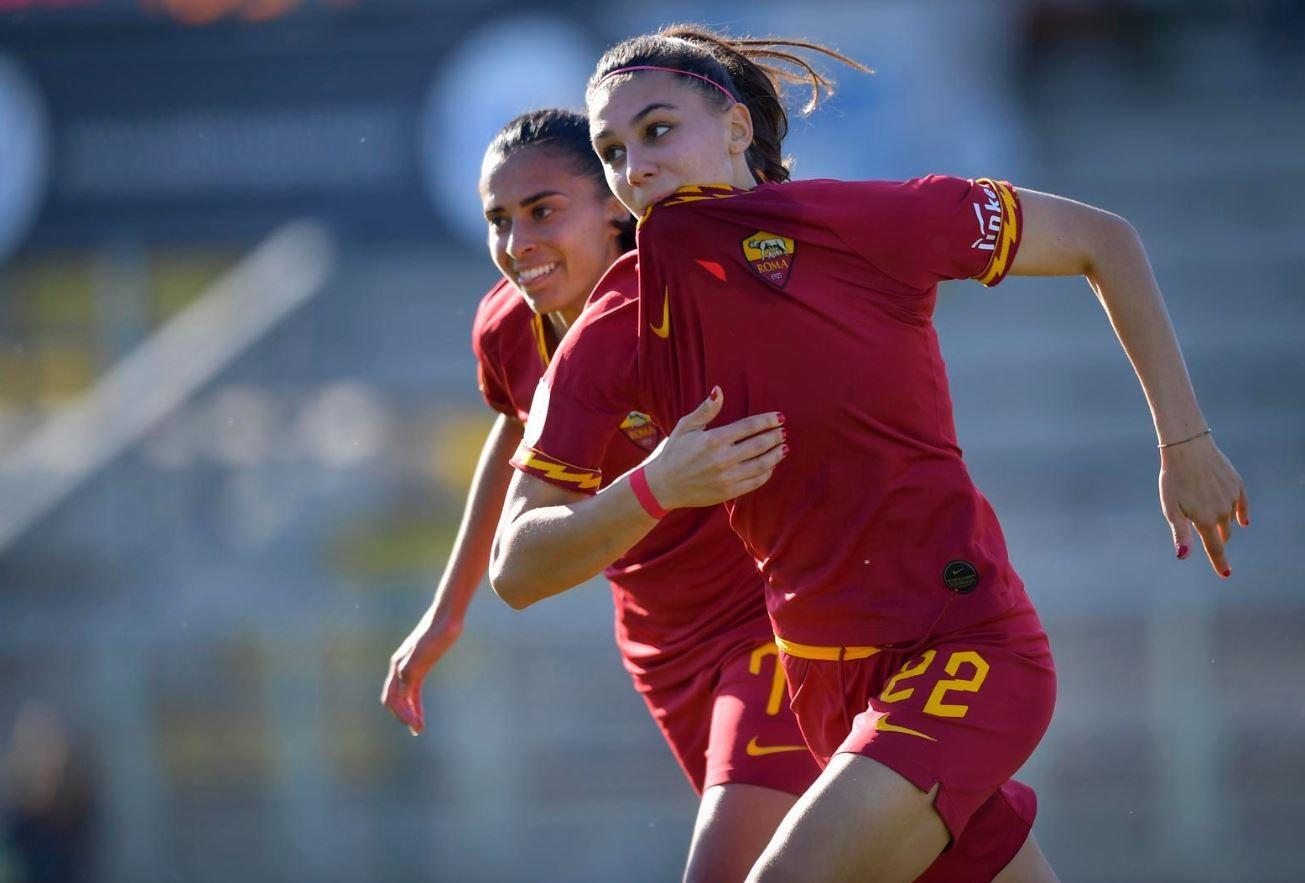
{"points": [[1164, 445]]}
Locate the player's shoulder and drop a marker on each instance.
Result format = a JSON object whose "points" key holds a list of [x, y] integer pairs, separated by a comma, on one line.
{"points": [[609, 324], [620, 284], [770, 200], [835, 188], [502, 314]]}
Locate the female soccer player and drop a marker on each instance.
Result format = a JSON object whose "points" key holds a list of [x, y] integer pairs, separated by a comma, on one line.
{"points": [[919, 671], [691, 623]]}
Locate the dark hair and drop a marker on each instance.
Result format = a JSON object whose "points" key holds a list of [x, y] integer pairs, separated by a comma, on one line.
{"points": [[566, 132], [736, 64]]}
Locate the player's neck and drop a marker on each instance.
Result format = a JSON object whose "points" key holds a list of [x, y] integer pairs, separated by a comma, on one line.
{"points": [[563, 319], [743, 178]]}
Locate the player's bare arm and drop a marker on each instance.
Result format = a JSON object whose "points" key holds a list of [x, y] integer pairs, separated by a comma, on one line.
{"points": [[441, 625], [551, 538], [1198, 486]]}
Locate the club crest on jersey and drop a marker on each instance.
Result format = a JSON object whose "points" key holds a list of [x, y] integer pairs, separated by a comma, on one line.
{"points": [[639, 429], [770, 255]]}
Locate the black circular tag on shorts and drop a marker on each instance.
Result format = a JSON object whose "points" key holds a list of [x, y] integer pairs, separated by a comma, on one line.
{"points": [[960, 576]]}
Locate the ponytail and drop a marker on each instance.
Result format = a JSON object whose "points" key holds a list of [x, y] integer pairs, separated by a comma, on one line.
{"points": [[752, 71]]}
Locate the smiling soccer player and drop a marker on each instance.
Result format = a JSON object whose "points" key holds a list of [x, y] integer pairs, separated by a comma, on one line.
{"points": [[691, 622]]}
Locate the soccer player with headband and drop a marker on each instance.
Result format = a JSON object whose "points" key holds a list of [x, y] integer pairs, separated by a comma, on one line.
{"points": [[919, 671]]}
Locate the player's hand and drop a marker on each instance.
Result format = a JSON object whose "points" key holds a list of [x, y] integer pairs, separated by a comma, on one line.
{"points": [[1200, 489], [410, 664], [697, 466]]}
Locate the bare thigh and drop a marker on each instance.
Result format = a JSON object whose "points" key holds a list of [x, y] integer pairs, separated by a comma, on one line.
{"points": [[735, 822], [859, 821], [1028, 866]]}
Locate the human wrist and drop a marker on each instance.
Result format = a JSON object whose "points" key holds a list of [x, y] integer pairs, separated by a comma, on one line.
{"points": [[649, 499], [1174, 443], [1190, 451]]}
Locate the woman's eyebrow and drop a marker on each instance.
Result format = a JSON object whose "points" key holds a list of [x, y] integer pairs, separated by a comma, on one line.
{"points": [[543, 194], [634, 120]]}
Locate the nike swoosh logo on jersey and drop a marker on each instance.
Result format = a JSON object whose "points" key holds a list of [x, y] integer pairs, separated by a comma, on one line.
{"points": [[883, 726], [755, 750], [664, 330]]}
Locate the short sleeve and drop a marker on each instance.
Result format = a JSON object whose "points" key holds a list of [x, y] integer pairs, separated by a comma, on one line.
{"points": [[588, 390], [490, 381], [923, 231]]}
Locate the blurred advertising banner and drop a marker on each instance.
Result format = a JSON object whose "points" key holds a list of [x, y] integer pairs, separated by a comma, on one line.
{"points": [[212, 120]]}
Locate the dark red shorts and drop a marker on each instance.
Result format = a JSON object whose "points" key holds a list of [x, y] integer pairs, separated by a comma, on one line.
{"points": [[731, 723], [963, 711]]}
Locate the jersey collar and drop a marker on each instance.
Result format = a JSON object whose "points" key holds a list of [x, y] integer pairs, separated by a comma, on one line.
{"points": [[692, 193]]}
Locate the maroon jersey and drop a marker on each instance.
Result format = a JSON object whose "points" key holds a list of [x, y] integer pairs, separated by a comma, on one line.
{"points": [[813, 298], [686, 593]]}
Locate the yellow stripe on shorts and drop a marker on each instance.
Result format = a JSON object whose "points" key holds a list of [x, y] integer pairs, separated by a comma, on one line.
{"points": [[830, 654]]}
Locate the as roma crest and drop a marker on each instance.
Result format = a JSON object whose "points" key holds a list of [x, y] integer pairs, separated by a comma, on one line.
{"points": [[770, 255], [640, 429]]}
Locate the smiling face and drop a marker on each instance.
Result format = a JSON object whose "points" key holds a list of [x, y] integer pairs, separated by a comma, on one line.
{"points": [[551, 229], [655, 133]]}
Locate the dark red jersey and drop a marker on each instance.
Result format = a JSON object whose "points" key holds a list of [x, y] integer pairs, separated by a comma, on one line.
{"points": [[813, 298], [688, 592]]}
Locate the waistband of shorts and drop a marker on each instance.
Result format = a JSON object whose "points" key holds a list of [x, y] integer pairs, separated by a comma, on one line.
{"points": [[828, 654]]}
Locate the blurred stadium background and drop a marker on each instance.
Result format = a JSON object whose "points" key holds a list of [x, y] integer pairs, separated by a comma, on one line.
{"points": [[240, 249]]}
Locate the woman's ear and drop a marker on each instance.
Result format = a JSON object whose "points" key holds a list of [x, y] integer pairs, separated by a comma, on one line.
{"points": [[740, 129]]}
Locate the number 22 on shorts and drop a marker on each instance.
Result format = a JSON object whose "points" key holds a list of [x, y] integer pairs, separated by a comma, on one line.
{"points": [[935, 705]]}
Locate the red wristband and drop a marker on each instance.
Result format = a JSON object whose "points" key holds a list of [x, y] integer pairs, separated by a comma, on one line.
{"points": [[644, 494]]}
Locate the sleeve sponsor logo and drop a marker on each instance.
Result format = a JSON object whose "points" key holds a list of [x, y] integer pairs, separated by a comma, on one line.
{"points": [[989, 214], [770, 256], [998, 228]]}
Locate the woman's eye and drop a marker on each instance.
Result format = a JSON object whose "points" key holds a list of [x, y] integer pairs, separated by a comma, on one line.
{"points": [[498, 223], [612, 155], [657, 130], [542, 211]]}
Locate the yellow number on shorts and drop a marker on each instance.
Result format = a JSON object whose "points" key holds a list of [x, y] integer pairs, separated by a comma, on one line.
{"points": [[935, 705], [909, 670], [777, 682]]}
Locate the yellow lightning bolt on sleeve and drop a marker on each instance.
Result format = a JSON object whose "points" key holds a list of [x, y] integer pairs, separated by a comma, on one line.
{"points": [[529, 460]]}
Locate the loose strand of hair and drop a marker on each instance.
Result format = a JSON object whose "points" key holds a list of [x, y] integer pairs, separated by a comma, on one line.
{"points": [[755, 49]]}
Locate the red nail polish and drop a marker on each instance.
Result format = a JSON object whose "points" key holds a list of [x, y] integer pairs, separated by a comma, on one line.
{"points": [[1227, 572], [784, 451], [783, 434], [1182, 551], [780, 416], [715, 393]]}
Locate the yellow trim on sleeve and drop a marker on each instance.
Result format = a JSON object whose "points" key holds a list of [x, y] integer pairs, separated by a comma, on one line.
{"points": [[1010, 233], [828, 654], [996, 268], [550, 468]]}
